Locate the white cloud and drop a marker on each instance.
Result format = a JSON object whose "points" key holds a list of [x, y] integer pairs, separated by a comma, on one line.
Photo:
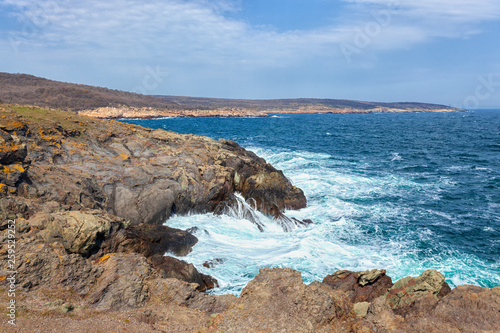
{"points": [[200, 31], [197, 40], [447, 10]]}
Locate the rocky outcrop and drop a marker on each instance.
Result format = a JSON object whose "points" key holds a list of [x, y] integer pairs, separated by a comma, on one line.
{"points": [[89, 198], [464, 309], [150, 112], [136, 173], [169, 267], [409, 290], [277, 300], [360, 286]]}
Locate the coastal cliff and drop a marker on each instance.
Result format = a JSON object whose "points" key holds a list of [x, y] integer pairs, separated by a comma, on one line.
{"points": [[89, 198]]}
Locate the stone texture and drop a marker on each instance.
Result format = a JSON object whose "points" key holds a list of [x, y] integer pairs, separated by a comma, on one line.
{"points": [[122, 283], [79, 232], [136, 173], [169, 267], [149, 240], [174, 291], [360, 286], [277, 300], [410, 289]]}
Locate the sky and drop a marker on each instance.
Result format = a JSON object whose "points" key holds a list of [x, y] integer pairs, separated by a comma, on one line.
{"points": [[436, 51]]}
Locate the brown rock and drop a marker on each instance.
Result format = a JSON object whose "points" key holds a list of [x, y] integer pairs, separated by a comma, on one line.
{"points": [[405, 292], [148, 240], [277, 300], [41, 265], [123, 283], [174, 291], [464, 309], [79, 232], [360, 286], [169, 267], [132, 172]]}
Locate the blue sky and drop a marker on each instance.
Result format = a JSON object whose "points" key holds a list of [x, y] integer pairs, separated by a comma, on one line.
{"points": [[440, 51]]}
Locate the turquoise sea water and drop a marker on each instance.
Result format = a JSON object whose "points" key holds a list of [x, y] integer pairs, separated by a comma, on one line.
{"points": [[405, 192]]}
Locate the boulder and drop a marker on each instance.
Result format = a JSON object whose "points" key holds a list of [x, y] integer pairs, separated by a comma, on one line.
{"points": [[78, 231], [169, 267], [362, 286], [408, 290], [178, 292], [149, 239]]}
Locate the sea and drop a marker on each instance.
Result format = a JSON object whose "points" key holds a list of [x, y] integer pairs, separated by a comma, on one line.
{"points": [[404, 192]]}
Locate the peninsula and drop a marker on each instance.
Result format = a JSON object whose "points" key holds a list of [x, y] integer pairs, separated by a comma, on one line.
{"points": [[113, 104]]}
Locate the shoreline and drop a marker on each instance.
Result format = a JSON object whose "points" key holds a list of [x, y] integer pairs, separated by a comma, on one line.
{"points": [[89, 197], [113, 113]]}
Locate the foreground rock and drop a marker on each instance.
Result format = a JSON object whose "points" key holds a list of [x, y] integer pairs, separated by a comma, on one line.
{"points": [[276, 300], [360, 286]]}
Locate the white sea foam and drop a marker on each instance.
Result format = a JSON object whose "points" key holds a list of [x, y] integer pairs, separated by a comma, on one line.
{"points": [[352, 229]]}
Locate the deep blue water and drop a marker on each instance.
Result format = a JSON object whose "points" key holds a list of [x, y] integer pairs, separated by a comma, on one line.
{"points": [[405, 192]]}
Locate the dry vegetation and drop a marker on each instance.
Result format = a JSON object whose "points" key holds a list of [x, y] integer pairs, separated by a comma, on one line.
{"points": [[32, 90]]}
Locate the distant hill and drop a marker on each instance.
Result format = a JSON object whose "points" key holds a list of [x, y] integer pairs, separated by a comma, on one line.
{"points": [[32, 90], [298, 104], [108, 103]]}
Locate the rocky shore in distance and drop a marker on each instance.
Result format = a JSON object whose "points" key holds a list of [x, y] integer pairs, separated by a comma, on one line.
{"points": [[89, 197], [126, 112]]}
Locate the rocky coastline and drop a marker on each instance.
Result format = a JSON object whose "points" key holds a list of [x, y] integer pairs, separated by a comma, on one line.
{"points": [[88, 199], [127, 112]]}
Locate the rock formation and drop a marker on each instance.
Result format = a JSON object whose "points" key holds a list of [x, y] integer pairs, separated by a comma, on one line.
{"points": [[88, 198]]}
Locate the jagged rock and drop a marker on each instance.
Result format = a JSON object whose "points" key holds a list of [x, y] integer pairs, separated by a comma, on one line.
{"points": [[360, 286], [212, 263], [11, 150], [148, 240], [136, 173], [464, 309], [49, 266], [169, 267], [408, 290], [379, 318], [361, 308], [277, 300], [123, 283], [12, 208], [12, 175], [79, 232], [174, 291]]}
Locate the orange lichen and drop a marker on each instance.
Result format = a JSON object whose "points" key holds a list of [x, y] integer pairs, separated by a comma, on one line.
{"points": [[9, 169], [124, 156], [104, 258], [13, 124]]}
